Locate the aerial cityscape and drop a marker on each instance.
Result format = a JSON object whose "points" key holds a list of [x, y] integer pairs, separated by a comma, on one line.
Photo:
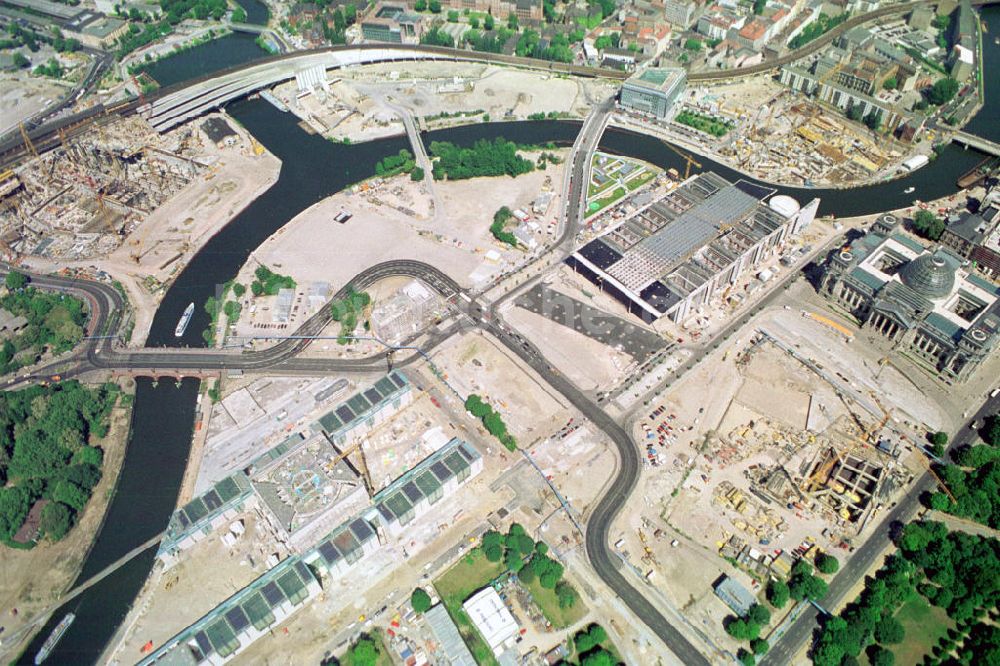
{"points": [[500, 332]]}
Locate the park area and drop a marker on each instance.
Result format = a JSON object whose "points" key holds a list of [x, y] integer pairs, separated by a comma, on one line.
{"points": [[924, 625], [699, 121]]}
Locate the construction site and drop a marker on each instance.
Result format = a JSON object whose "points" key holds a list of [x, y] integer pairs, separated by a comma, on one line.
{"points": [[795, 435], [83, 198], [780, 136]]}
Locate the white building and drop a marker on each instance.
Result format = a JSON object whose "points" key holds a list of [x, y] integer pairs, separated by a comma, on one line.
{"points": [[493, 620]]}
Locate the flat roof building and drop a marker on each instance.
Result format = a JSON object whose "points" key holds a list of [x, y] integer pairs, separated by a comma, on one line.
{"points": [[450, 643], [344, 547], [493, 619], [734, 595], [366, 409], [673, 254], [653, 91]]}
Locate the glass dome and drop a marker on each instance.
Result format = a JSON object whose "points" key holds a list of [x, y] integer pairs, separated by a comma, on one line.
{"points": [[929, 275]]}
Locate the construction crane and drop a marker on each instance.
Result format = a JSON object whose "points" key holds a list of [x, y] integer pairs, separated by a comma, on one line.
{"points": [[362, 466], [27, 140], [687, 158]]}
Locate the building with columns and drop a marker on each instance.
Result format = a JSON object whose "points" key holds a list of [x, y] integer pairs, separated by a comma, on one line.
{"points": [[922, 301]]}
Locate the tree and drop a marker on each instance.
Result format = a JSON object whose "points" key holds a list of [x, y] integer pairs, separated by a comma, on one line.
{"points": [[20, 61], [855, 112], [420, 6], [493, 553], [827, 564], [488, 22], [416, 174], [15, 280], [365, 652], [741, 629], [890, 83], [474, 23], [14, 505], [71, 495], [991, 430], [420, 600], [928, 225], [942, 91], [759, 615], [434, 6], [777, 593], [513, 561], [880, 656], [566, 595], [939, 440], [758, 6], [598, 657], [589, 638], [239, 15], [56, 520], [759, 646], [874, 120], [889, 631], [512, 21], [746, 657]]}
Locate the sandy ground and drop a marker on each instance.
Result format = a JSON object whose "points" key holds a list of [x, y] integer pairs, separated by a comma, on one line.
{"points": [[211, 573], [388, 224], [33, 580], [588, 363], [475, 363], [23, 95]]}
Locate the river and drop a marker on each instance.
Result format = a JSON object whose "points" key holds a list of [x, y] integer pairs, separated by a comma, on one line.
{"points": [[257, 11], [234, 49], [312, 169]]}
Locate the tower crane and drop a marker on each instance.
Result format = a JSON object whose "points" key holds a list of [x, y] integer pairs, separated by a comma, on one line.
{"points": [[687, 158], [27, 140]]}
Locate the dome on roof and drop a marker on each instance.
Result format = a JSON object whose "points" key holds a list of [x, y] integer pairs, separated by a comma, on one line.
{"points": [[784, 205], [928, 275]]}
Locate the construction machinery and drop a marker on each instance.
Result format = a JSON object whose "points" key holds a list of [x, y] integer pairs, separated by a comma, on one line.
{"points": [[362, 464], [27, 140], [687, 158]]}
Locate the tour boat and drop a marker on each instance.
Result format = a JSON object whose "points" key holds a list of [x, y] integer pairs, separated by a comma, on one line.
{"points": [[184, 321], [54, 638]]}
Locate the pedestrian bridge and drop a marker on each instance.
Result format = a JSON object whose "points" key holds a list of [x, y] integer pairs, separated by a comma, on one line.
{"points": [[977, 142]]}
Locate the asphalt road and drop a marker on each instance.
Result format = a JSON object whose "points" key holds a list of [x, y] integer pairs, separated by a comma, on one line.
{"points": [[862, 560]]}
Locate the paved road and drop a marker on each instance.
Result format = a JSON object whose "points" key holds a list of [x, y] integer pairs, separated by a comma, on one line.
{"points": [[862, 560]]}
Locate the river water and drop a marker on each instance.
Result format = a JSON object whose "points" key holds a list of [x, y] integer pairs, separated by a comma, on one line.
{"points": [[257, 12], [234, 49], [313, 169]]}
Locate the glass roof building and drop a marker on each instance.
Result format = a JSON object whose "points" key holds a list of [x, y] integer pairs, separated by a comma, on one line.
{"points": [[434, 478], [233, 625], [673, 254]]}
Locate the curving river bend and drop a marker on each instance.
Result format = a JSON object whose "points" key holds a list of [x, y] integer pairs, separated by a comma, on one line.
{"points": [[313, 169]]}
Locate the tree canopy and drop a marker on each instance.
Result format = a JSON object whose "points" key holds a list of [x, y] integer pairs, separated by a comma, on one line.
{"points": [[44, 452], [420, 600], [484, 158]]}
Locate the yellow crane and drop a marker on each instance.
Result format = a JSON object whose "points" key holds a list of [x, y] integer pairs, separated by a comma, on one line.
{"points": [[27, 140], [687, 158], [362, 465]]}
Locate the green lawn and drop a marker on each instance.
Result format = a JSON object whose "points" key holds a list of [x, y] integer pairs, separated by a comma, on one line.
{"points": [[639, 180], [548, 602], [605, 201], [471, 573], [594, 188], [924, 624]]}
